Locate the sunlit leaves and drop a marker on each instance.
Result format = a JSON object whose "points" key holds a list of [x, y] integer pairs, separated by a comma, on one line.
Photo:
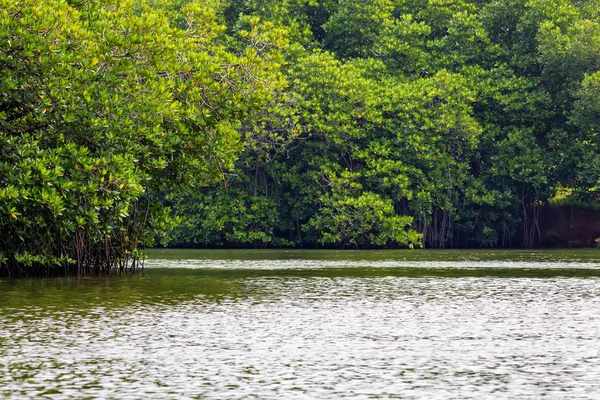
{"points": [[104, 106]]}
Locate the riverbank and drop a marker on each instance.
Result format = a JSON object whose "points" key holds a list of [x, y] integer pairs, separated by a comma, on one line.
{"points": [[568, 227]]}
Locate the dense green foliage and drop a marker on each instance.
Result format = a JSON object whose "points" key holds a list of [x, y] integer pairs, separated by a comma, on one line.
{"points": [[389, 123], [439, 123], [106, 107]]}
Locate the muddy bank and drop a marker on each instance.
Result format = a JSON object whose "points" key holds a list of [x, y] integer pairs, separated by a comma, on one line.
{"points": [[568, 227]]}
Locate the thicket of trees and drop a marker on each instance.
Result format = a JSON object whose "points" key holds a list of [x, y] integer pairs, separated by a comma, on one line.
{"points": [[344, 123], [440, 123], [107, 106]]}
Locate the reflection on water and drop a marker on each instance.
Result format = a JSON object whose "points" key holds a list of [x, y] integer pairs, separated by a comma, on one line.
{"points": [[272, 325]]}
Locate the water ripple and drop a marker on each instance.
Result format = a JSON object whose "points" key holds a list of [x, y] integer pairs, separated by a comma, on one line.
{"points": [[299, 337]]}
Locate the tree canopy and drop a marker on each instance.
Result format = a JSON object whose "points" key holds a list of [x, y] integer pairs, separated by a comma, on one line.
{"points": [[412, 123], [394, 123], [105, 108]]}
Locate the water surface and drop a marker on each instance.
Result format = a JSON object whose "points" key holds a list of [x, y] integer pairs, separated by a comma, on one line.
{"points": [[310, 324]]}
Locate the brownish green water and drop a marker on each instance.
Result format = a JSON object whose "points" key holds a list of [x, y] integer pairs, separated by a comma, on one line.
{"points": [[310, 324]]}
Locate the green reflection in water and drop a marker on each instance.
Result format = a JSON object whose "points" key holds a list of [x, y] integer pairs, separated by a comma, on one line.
{"points": [[244, 324], [555, 255], [164, 286], [224, 273]]}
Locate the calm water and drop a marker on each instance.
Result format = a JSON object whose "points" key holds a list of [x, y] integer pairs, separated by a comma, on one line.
{"points": [[310, 325]]}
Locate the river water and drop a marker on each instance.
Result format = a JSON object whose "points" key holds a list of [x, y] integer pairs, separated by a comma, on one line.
{"points": [[310, 325]]}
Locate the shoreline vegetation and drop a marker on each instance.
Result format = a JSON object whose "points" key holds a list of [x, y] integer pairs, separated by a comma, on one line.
{"points": [[560, 227], [297, 123]]}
